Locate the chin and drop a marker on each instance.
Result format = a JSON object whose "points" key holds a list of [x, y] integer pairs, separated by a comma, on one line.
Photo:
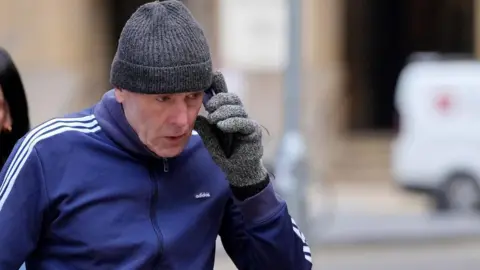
{"points": [[170, 151], [167, 149], [169, 154]]}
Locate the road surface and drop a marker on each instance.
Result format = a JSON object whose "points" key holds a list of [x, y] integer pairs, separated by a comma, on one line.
{"points": [[447, 256]]}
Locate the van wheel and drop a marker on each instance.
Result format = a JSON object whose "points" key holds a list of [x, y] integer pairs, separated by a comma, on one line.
{"points": [[460, 193], [440, 202]]}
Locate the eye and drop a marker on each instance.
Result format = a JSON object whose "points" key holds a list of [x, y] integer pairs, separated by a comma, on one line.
{"points": [[163, 98], [194, 95]]}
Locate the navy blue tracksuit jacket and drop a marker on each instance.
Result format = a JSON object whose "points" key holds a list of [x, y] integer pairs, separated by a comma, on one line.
{"points": [[82, 192]]}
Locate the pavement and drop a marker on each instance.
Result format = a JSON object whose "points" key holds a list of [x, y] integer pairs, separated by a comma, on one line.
{"points": [[351, 229], [358, 241], [461, 255], [363, 229], [380, 212]]}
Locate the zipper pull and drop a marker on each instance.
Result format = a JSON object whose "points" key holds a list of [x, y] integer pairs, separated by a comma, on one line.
{"points": [[165, 165]]}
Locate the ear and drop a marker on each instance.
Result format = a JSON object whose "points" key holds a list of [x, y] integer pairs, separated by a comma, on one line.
{"points": [[119, 95]]}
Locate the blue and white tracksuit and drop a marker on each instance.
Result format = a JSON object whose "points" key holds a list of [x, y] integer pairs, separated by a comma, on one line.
{"points": [[82, 192]]}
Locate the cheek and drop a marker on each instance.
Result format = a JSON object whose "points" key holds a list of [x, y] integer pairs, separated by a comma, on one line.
{"points": [[145, 122], [192, 114], [154, 124]]}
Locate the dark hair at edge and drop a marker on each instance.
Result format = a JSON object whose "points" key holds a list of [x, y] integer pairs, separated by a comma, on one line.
{"points": [[15, 96]]}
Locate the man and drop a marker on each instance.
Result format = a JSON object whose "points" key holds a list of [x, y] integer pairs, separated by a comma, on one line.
{"points": [[129, 184]]}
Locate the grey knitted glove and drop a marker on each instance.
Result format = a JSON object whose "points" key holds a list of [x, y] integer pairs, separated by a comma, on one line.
{"points": [[244, 167]]}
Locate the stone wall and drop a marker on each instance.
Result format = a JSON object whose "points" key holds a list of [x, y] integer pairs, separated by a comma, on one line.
{"points": [[58, 47]]}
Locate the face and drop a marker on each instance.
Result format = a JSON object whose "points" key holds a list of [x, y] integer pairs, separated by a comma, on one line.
{"points": [[164, 123], [5, 117]]}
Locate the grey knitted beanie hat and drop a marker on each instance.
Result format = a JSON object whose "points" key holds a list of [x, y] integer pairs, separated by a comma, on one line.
{"points": [[162, 49]]}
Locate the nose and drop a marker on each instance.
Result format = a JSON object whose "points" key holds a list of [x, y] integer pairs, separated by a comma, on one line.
{"points": [[179, 115]]}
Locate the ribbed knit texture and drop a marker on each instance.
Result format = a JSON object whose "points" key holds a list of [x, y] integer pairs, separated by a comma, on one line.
{"points": [[162, 49], [244, 168]]}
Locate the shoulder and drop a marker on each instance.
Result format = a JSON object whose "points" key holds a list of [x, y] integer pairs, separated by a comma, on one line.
{"points": [[59, 131], [54, 137]]}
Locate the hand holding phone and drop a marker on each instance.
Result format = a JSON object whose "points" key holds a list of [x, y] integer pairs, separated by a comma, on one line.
{"points": [[235, 140], [225, 139]]}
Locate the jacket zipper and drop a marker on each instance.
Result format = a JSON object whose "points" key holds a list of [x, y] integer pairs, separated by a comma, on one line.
{"points": [[153, 218], [165, 165]]}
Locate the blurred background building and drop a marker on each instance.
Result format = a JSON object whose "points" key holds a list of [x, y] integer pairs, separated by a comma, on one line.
{"points": [[352, 53]]}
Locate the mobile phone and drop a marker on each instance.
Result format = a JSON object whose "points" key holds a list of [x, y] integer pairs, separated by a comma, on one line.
{"points": [[225, 139]]}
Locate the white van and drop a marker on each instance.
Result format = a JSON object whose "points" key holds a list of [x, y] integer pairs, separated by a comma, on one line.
{"points": [[437, 148]]}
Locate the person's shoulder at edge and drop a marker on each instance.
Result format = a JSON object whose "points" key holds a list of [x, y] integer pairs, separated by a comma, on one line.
{"points": [[68, 125]]}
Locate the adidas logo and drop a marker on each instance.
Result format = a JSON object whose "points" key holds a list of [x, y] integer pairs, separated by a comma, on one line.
{"points": [[202, 195]]}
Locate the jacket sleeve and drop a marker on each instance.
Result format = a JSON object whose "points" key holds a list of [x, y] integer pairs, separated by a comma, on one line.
{"points": [[259, 233], [22, 203]]}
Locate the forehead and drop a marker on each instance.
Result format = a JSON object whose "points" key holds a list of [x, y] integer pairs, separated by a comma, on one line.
{"points": [[179, 94], [173, 95]]}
